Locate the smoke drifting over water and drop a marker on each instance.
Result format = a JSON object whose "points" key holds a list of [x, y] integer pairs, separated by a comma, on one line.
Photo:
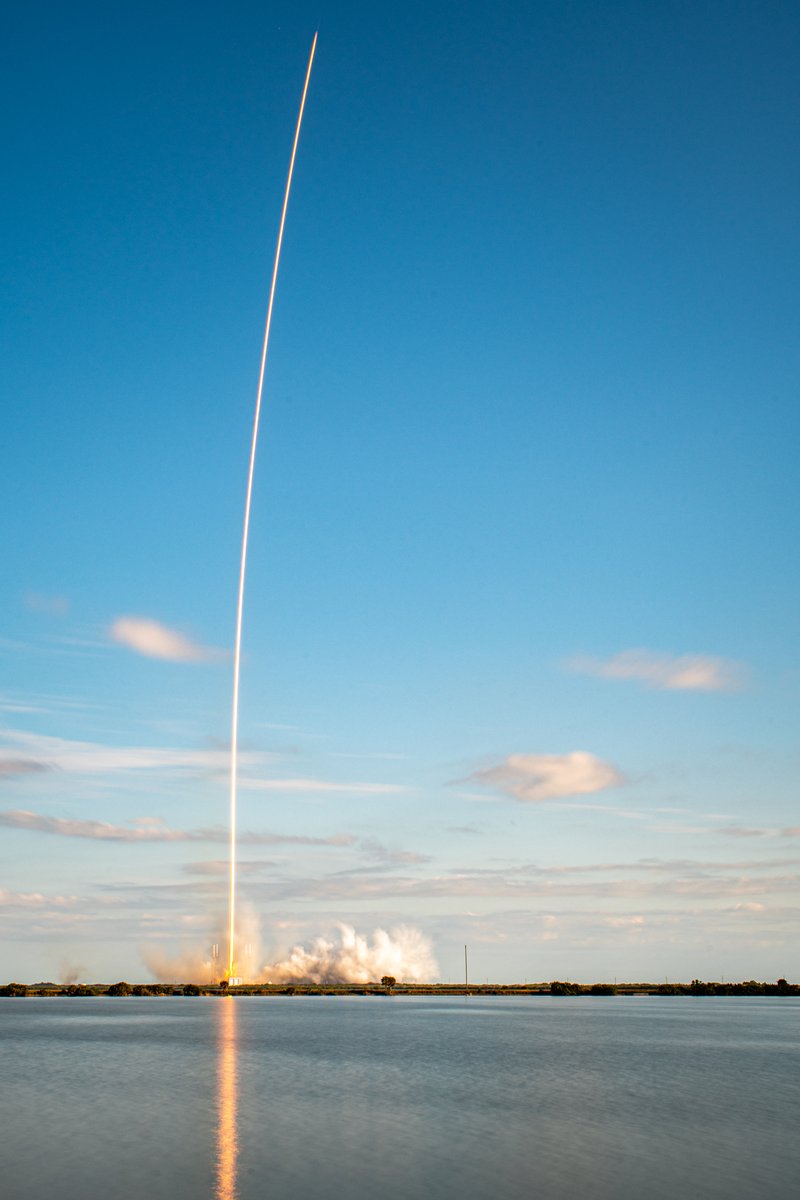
{"points": [[404, 952], [353, 958]]}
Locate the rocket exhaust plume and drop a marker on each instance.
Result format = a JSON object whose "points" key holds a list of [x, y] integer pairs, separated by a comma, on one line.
{"points": [[232, 971], [351, 957], [199, 962], [403, 952]]}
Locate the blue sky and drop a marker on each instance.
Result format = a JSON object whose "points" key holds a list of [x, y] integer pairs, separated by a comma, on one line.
{"points": [[520, 635]]}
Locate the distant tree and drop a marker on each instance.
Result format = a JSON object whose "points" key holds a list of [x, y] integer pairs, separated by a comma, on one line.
{"points": [[388, 981], [783, 986], [191, 989], [119, 989], [603, 989], [14, 989], [223, 985], [559, 988], [140, 990]]}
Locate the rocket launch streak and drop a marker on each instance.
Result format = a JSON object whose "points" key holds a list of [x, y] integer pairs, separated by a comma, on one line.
{"points": [[232, 972]]}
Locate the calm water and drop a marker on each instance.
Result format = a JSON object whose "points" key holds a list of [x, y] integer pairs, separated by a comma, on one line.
{"points": [[399, 1098]]}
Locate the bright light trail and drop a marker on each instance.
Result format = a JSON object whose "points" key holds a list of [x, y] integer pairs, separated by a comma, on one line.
{"points": [[238, 648]]}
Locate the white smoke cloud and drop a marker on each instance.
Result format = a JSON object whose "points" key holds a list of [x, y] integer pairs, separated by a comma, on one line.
{"points": [[537, 777], [154, 640], [403, 952], [664, 672]]}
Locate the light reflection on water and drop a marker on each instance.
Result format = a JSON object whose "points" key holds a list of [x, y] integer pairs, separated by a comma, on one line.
{"points": [[227, 1090]]}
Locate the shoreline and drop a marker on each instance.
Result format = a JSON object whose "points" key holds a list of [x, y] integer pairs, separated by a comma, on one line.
{"points": [[555, 988]]}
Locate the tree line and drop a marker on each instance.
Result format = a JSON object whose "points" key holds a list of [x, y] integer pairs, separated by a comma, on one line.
{"points": [[389, 986]]}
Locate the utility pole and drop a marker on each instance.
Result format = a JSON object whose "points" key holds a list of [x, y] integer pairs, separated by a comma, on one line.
{"points": [[466, 973]]}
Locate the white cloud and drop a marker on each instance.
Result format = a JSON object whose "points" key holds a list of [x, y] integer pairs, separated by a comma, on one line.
{"points": [[664, 672], [154, 640], [536, 777]]}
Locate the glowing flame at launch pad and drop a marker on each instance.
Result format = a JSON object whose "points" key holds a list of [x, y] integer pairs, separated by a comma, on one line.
{"points": [[232, 973]]}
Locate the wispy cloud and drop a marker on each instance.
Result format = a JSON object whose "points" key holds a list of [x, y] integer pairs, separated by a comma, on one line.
{"points": [[8, 705], [277, 839], [146, 829], [318, 785], [13, 644], [386, 755], [34, 900], [154, 640], [42, 703], [664, 672], [391, 856], [221, 866], [730, 831], [10, 768], [91, 758], [536, 777], [22, 752], [155, 829], [54, 606], [598, 884]]}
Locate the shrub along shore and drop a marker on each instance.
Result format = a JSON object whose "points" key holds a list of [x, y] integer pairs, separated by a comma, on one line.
{"points": [[697, 987]]}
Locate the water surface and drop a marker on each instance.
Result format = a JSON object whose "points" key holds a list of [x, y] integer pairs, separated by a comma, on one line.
{"points": [[442, 1098]]}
